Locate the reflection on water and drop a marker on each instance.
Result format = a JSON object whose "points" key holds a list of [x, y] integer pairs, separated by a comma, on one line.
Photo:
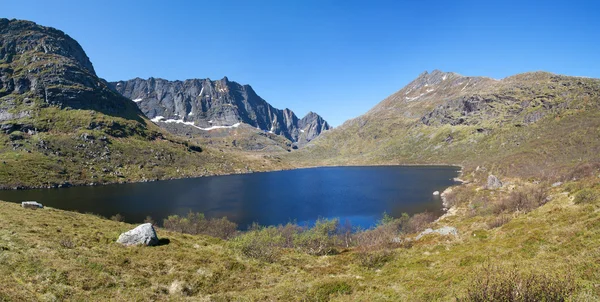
{"points": [[357, 194]]}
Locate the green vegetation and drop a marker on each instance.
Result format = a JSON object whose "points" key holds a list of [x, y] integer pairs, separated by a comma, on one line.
{"points": [[77, 147], [535, 239], [511, 285], [196, 223], [547, 251], [493, 135]]}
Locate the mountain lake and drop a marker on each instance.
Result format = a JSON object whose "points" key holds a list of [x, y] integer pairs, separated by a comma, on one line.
{"points": [[359, 195]]}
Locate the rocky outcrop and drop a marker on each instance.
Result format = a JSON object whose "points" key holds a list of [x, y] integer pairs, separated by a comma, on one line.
{"points": [[43, 63], [31, 205], [493, 183], [443, 231], [207, 104], [311, 126], [143, 234]]}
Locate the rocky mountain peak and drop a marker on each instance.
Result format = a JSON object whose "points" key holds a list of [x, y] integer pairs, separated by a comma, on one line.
{"points": [[44, 64], [19, 36], [431, 79], [206, 104]]}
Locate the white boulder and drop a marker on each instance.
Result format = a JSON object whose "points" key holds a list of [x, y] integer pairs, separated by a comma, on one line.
{"points": [[444, 231], [493, 183], [144, 234], [31, 205]]}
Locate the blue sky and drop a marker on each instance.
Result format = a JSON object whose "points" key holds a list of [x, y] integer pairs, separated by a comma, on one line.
{"points": [[337, 58]]}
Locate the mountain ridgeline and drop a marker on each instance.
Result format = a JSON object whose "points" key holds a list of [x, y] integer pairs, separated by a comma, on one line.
{"points": [[61, 125], [529, 124], [208, 104], [42, 63]]}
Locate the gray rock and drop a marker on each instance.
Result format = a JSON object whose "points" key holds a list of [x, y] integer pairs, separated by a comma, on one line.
{"points": [[556, 184], [31, 205], [68, 80], [207, 103], [444, 231], [493, 182], [144, 234]]}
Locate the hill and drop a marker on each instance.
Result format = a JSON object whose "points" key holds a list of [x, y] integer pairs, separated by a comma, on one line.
{"points": [[61, 125], [529, 125], [548, 252]]}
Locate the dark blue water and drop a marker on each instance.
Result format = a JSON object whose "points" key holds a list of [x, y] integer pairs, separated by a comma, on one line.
{"points": [[357, 194]]}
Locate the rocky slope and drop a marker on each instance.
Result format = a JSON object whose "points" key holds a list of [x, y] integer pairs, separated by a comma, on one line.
{"points": [[60, 124], [208, 104], [527, 124], [43, 63]]}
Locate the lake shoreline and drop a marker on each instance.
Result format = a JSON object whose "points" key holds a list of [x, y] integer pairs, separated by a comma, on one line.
{"points": [[93, 184], [358, 193]]}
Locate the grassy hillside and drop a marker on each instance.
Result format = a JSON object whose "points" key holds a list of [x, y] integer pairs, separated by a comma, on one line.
{"points": [[83, 146], [528, 125], [61, 125], [49, 254]]}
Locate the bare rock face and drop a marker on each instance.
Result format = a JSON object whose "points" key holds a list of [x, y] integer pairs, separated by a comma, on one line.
{"points": [[493, 183], [44, 63], [143, 234], [311, 126], [31, 205], [205, 103], [443, 231]]}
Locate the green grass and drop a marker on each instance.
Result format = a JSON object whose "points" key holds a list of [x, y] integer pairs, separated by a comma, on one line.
{"points": [[51, 254], [393, 133], [119, 150]]}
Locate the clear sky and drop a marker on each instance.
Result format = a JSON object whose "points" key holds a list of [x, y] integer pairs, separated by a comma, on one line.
{"points": [[337, 58]]}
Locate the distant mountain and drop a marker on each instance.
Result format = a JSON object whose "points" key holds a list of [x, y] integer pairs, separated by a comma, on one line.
{"points": [[208, 104], [61, 125], [527, 124]]}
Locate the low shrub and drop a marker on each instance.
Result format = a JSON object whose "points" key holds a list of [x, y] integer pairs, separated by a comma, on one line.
{"points": [[523, 200], [586, 196], [373, 259], [494, 284], [196, 223], [265, 243], [320, 239], [498, 221], [262, 243], [117, 217], [384, 234], [149, 219], [325, 291], [583, 170], [458, 195], [418, 222]]}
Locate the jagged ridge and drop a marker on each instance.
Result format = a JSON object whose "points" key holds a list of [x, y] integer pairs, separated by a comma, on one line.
{"points": [[61, 125], [209, 103]]}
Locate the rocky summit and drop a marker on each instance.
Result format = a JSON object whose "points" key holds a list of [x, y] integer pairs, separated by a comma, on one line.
{"points": [[444, 117], [62, 125], [43, 63], [207, 105]]}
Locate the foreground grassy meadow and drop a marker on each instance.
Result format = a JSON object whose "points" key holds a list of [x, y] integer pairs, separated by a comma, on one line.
{"points": [[54, 255]]}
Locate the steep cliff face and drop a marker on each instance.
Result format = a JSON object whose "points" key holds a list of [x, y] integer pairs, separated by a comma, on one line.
{"points": [[207, 104], [44, 63], [61, 125], [311, 126]]}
